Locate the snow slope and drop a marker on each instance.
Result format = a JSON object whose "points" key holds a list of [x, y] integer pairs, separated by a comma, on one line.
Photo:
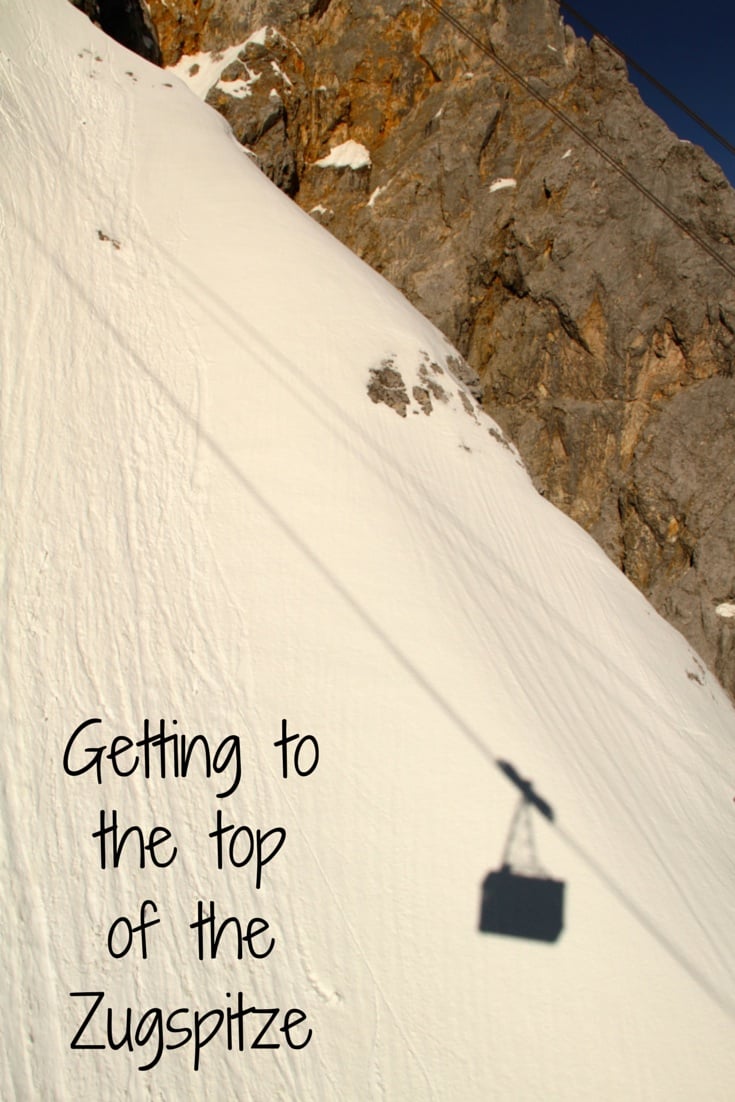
{"points": [[209, 521]]}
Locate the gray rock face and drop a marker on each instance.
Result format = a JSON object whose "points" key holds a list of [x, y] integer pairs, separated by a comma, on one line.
{"points": [[127, 21], [252, 94], [603, 336], [89, 7], [679, 529]]}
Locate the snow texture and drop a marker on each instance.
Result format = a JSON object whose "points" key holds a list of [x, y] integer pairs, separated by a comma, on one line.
{"points": [[502, 183], [209, 521], [375, 193], [349, 154]]}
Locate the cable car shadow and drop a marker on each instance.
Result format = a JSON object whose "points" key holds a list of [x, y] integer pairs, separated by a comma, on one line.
{"points": [[520, 899]]}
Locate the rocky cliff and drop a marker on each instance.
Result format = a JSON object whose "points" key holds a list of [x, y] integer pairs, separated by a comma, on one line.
{"points": [[128, 22], [602, 334]]}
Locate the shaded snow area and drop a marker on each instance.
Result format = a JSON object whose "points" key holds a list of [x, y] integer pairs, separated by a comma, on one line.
{"points": [[213, 527]]}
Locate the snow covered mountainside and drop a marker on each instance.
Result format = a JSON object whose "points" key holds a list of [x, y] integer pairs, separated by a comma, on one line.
{"points": [[244, 489], [602, 335]]}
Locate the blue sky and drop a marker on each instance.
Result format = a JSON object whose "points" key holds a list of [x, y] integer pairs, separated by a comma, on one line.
{"points": [[689, 48]]}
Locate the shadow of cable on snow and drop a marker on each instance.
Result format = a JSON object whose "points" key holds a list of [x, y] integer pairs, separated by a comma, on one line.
{"points": [[231, 320], [275, 362], [722, 999]]}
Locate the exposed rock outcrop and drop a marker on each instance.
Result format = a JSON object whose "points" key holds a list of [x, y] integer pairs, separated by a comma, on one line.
{"points": [[603, 335], [128, 22]]}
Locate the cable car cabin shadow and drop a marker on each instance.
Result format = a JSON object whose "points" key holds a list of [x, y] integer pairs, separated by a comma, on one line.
{"points": [[520, 899], [522, 906]]}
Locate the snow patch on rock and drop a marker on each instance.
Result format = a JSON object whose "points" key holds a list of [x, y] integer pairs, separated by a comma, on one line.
{"points": [[502, 183], [349, 154]]}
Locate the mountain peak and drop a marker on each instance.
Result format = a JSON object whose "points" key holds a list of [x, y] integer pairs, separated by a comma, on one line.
{"points": [[286, 613], [589, 295]]}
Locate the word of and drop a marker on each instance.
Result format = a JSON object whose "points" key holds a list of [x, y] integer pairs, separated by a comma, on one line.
{"points": [[123, 923]]}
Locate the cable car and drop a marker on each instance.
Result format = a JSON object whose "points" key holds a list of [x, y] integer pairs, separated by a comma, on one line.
{"points": [[519, 899], [518, 905]]}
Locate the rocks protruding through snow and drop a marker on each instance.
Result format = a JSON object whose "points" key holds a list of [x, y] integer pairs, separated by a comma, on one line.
{"points": [[386, 385]]}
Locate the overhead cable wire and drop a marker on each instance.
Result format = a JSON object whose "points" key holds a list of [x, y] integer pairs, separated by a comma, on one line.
{"points": [[617, 165], [649, 77]]}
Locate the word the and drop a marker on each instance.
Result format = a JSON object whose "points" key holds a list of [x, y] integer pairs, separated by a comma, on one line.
{"points": [[244, 934], [113, 843]]}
